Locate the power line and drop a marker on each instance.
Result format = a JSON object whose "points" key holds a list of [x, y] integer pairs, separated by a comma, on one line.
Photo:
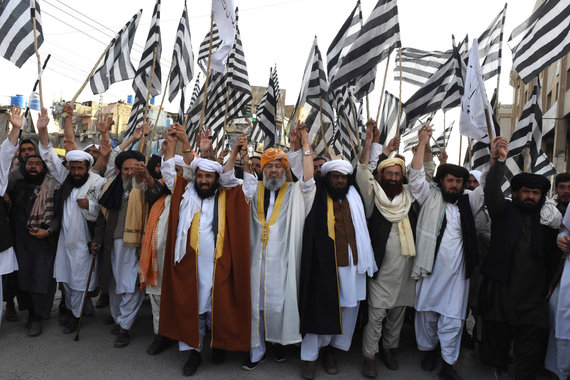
{"points": [[73, 27]]}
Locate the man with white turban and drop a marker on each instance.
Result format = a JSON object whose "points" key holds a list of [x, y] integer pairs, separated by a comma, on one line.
{"points": [[392, 219], [277, 215], [78, 206], [336, 258], [205, 280]]}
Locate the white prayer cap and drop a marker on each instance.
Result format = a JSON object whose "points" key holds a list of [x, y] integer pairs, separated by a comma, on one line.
{"points": [[79, 155], [476, 174], [90, 145], [178, 160], [341, 166], [207, 165]]}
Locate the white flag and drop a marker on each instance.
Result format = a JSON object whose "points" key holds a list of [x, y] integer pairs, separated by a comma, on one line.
{"points": [[225, 19], [473, 122]]}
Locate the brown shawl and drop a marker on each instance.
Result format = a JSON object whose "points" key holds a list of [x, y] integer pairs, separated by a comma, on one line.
{"points": [[231, 295]]}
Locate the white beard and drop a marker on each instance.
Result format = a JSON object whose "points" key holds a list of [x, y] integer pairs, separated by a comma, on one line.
{"points": [[274, 184]]}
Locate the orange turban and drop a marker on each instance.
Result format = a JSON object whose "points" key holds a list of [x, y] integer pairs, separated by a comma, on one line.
{"points": [[273, 154]]}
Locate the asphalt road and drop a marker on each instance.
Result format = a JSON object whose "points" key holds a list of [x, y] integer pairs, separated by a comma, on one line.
{"points": [[55, 355]]}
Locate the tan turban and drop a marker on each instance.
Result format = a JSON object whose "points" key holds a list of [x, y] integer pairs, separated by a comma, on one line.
{"points": [[392, 162]]}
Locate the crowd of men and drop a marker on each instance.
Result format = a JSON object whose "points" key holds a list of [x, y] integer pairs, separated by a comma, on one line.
{"points": [[288, 248]]}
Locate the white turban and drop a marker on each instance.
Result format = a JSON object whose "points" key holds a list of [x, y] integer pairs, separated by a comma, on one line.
{"points": [[341, 166], [178, 160], [90, 145], [207, 165], [79, 155], [476, 174]]}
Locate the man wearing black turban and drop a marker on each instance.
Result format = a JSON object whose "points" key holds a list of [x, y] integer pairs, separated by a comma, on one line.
{"points": [[513, 291], [118, 231]]}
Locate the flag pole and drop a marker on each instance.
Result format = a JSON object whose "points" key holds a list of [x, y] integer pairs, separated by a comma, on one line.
{"points": [[207, 73], [489, 125], [226, 114], [323, 126], [90, 75], [460, 148], [383, 86], [38, 59], [367, 108], [470, 153], [159, 109], [400, 100], [146, 107]]}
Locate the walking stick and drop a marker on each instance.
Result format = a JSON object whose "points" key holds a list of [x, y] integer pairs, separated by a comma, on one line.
{"points": [[93, 257]]}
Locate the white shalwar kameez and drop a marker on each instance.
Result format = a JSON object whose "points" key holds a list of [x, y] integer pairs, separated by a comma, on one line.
{"points": [[275, 313], [73, 258], [189, 205], [8, 262], [558, 352], [441, 297]]}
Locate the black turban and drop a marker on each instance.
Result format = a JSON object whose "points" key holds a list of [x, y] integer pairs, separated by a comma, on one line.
{"points": [[454, 170], [532, 181], [123, 156]]}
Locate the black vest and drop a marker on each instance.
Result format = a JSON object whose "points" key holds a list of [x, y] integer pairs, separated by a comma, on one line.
{"points": [[6, 235]]}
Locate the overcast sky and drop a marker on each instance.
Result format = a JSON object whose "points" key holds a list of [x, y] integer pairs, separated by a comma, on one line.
{"points": [[273, 32]]}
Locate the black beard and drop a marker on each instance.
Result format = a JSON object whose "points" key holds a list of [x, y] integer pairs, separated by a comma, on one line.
{"points": [[79, 182], [34, 179], [450, 197], [392, 188], [524, 206], [206, 193], [336, 193]]}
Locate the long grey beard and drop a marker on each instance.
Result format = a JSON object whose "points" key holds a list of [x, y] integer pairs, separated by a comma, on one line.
{"points": [[274, 184]]}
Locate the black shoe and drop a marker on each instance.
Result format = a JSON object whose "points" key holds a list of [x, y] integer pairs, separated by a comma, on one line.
{"points": [[467, 340], [159, 344], [448, 372], [123, 339], [277, 351], [35, 328], [191, 365], [71, 325], [428, 361], [248, 365], [103, 301], [115, 329], [218, 356], [63, 317], [11, 313], [389, 359]]}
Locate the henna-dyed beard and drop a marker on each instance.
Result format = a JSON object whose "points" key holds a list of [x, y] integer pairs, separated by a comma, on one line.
{"points": [[391, 188]]}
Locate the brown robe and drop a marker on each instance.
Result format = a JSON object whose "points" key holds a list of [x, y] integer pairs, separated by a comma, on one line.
{"points": [[231, 294]]}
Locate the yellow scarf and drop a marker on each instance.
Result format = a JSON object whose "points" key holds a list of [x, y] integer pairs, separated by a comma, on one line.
{"points": [[195, 228], [274, 214]]}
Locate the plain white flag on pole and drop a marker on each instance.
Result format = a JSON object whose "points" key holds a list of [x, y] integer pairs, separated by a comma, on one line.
{"points": [[225, 18], [473, 122]]}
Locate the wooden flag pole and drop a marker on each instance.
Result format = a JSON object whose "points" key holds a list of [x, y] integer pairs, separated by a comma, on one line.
{"points": [[226, 114], [323, 126], [149, 88], [39, 61], [400, 100], [436, 143], [207, 74], [350, 137], [489, 125], [383, 86], [460, 149], [526, 159], [470, 154], [367, 108], [496, 110], [159, 110], [90, 75]]}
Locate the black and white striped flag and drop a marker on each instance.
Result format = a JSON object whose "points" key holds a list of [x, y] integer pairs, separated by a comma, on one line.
{"points": [[343, 40], [515, 165], [17, 36], [376, 39], [409, 144], [542, 39], [136, 117], [142, 77], [443, 139], [183, 64], [276, 83], [238, 78], [443, 90], [419, 65], [317, 96], [195, 92], [389, 117], [490, 46], [346, 131], [543, 166], [480, 154], [182, 107], [205, 47], [116, 65], [265, 129], [529, 122]]}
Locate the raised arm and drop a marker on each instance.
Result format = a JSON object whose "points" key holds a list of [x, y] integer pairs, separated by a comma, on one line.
{"points": [[69, 133], [48, 154], [103, 126], [494, 198], [16, 118], [308, 168], [419, 186]]}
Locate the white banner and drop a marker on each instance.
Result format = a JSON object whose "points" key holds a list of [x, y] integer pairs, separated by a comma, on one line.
{"points": [[225, 18]]}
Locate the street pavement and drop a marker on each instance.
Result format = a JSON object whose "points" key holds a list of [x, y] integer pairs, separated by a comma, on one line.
{"points": [[57, 356]]}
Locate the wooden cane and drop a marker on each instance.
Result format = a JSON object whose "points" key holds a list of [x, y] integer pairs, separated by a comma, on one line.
{"points": [[93, 257]]}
